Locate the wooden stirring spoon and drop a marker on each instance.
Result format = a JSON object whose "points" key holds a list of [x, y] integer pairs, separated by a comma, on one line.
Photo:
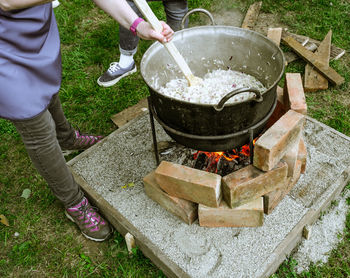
{"points": [[156, 25]]}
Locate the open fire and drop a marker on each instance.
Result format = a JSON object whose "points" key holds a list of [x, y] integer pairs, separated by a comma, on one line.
{"points": [[223, 163]]}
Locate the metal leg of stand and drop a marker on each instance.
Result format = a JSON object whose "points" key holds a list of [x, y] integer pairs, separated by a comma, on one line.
{"points": [[155, 146], [251, 138]]}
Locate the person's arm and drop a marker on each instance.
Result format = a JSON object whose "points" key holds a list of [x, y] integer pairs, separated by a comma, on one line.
{"points": [[8, 5], [122, 12], [118, 9]]}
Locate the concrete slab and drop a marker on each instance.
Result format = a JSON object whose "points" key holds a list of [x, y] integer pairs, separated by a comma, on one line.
{"points": [[111, 173]]}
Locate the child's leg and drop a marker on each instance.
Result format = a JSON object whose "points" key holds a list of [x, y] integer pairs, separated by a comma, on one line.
{"points": [[64, 131], [175, 11], [69, 138], [39, 137], [127, 40], [127, 48]]}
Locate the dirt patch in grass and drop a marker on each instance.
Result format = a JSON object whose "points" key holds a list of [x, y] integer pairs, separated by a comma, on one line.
{"points": [[231, 18], [225, 12], [266, 21], [344, 99], [234, 15], [94, 18]]}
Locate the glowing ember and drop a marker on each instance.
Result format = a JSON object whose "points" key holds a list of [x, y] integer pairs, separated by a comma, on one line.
{"points": [[220, 162], [215, 156]]}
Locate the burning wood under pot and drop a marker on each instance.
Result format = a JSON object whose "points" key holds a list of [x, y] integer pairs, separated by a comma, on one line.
{"points": [[221, 163]]}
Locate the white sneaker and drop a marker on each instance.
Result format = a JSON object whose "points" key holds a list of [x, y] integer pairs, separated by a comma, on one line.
{"points": [[115, 73], [55, 3]]}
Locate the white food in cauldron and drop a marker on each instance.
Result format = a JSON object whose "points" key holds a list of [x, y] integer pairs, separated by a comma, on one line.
{"points": [[214, 87]]}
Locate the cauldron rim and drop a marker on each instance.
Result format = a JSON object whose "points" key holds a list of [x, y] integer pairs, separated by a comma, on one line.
{"points": [[179, 34]]}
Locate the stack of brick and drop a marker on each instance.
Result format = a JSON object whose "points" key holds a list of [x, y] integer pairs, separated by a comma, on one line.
{"points": [[240, 198], [190, 194], [288, 143]]}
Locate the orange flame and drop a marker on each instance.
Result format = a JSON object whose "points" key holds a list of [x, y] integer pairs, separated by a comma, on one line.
{"points": [[214, 157]]}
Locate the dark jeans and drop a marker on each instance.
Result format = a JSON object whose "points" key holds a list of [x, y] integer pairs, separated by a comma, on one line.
{"points": [[42, 137], [175, 11]]}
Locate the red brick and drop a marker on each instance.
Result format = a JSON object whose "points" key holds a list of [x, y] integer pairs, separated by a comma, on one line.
{"points": [[280, 94], [277, 140], [276, 114], [280, 109], [275, 35], [189, 184], [296, 174], [302, 155], [248, 215], [187, 211], [291, 158], [272, 199], [294, 96], [250, 183]]}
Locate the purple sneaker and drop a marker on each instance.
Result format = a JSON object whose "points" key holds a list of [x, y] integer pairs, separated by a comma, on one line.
{"points": [[80, 142], [89, 221]]}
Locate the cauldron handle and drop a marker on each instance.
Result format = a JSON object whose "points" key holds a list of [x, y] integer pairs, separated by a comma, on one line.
{"points": [[258, 97], [193, 11]]}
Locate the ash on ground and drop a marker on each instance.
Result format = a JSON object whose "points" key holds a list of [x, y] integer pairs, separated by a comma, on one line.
{"points": [[176, 153], [326, 233]]}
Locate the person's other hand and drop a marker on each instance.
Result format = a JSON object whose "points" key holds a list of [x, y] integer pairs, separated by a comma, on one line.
{"points": [[145, 31]]}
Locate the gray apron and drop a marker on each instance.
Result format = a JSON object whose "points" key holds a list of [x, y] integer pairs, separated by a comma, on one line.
{"points": [[30, 61]]}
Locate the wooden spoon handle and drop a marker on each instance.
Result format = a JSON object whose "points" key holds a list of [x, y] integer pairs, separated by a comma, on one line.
{"points": [[156, 25]]}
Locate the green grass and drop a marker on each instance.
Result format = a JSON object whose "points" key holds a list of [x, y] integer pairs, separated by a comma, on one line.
{"points": [[50, 246]]}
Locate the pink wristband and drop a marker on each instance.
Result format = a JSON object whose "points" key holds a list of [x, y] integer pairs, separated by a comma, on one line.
{"points": [[135, 24]]}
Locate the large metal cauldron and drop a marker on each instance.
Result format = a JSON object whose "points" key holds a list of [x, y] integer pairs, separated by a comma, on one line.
{"points": [[205, 49]]}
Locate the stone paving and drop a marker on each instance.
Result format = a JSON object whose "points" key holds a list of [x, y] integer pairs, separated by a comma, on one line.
{"points": [[114, 170]]}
